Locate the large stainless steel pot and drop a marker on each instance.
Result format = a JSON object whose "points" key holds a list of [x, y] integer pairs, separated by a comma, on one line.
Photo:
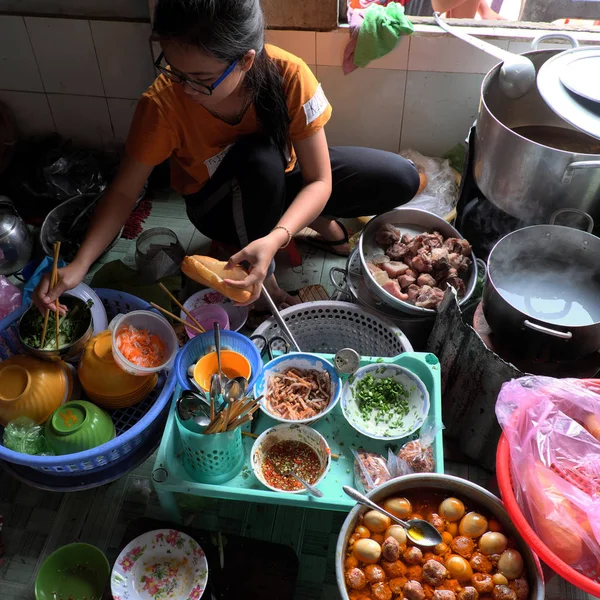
{"points": [[475, 496], [543, 289], [532, 179], [16, 241]]}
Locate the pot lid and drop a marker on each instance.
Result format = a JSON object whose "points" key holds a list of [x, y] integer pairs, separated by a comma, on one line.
{"points": [[8, 218], [577, 77], [578, 111]]}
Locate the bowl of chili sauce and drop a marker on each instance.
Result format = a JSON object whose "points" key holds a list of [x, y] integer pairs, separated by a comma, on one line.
{"points": [[286, 447]]}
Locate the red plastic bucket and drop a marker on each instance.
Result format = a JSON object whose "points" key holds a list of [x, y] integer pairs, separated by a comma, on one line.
{"points": [[514, 511]]}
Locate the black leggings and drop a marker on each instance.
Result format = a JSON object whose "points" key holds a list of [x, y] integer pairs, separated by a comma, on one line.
{"points": [[250, 190]]}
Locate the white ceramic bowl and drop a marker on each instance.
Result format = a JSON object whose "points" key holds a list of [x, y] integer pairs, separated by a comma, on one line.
{"points": [[85, 292], [284, 432], [300, 360], [418, 401]]}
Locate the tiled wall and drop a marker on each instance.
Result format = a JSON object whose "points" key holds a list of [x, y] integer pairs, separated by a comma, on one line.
{"points": [[82, 78]]}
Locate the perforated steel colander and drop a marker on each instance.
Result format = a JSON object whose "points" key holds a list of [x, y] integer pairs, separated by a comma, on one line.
{"points": [[326, 327]]}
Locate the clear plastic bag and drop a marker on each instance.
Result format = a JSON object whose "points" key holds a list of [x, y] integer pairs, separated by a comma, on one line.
{"points": [[10, 297], [416, 456], [552, 429], [370, 470]]}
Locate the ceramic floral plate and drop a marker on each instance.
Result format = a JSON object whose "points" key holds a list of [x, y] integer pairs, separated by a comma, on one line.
{"points": [[238, 315], [160, 565]]}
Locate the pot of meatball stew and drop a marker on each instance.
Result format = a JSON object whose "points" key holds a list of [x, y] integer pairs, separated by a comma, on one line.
{"points": [[482, 555]]}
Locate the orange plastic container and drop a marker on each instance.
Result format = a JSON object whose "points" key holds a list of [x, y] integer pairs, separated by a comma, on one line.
{"points": [[529, 535]]}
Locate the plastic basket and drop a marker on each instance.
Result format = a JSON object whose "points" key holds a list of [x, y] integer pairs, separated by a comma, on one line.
{"points": [[134, 425], [503, 474], [205, 342], [213, 458]]}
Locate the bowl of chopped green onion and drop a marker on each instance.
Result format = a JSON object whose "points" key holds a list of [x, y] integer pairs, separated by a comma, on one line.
{"points": [[385, 402]]}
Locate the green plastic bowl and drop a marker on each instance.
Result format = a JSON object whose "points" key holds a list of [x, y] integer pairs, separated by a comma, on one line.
{"points": [[77, 426], [75, 571]]}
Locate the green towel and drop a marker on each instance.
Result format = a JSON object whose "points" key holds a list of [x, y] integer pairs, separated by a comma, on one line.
{"points": [[380, 32]]}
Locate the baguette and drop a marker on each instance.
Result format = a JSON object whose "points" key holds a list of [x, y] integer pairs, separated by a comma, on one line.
{"points": [[211, 272]]}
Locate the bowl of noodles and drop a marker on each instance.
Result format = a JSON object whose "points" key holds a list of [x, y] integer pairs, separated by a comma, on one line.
{"points": [[298, 388]]}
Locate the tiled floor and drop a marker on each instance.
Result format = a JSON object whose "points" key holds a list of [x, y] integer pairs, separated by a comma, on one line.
{"points": [[36, 522]]}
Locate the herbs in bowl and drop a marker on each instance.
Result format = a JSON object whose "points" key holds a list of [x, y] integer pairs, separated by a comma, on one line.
{"points": [[74, 329], [385, 402]]}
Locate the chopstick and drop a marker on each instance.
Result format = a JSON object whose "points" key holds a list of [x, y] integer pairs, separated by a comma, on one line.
{"points": [[185, 310], [170, 314], [53, 283]]}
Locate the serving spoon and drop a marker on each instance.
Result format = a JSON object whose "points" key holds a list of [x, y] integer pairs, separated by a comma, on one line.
{"points": [[418, 531], [311, 489]]}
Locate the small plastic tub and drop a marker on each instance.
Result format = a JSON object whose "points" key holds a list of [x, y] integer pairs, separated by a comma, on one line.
{"points": [[207, 316], [154, 324]]}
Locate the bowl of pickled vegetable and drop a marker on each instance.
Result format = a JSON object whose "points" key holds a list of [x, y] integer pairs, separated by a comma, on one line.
{"points": [[385, 401], [482, 555]]}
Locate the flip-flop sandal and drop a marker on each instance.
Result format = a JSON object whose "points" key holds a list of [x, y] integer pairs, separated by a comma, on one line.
{"points": [[326, 245]]}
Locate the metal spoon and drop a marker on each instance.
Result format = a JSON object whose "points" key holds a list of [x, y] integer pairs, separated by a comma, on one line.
{"points": [[217, 333], [307, 486], [419, 531], [215, 392], [517, 74], [235, 389], [192, 407]]}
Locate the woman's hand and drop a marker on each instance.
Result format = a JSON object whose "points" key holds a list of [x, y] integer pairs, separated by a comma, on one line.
{"points": [[259, 254], [68, 278]]}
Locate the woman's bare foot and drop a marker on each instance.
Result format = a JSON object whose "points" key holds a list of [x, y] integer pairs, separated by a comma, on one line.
{"points": [[281, 298], [330, 231]]}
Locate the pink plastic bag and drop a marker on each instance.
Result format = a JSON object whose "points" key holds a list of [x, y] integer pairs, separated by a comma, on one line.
{"points": [[551, 426], [10, 297]]}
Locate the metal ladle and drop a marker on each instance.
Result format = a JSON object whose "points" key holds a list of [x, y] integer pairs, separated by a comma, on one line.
{"points": [[193, 407], [418, 531], [517, 74]]}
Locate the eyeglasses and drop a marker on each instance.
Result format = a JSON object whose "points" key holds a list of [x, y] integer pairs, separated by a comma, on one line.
{"points": [[196, 85]]}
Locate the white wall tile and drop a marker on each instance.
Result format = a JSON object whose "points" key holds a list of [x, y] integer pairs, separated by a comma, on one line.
{"points": [[31, 111], [439, 109], [121, 112], [300, 43], [124, 56], [367, 106], [65, 55], [331, 45], [18, 69], [449, 55], [83, 119]]}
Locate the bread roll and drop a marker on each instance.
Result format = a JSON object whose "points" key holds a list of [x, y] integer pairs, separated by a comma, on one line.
{"points": [[211, 272]]}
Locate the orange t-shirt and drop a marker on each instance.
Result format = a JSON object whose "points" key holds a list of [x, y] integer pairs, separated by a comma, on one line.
{"points": [[167, 123]]}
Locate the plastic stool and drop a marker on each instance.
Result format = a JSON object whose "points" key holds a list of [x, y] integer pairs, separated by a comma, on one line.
{"points": [[291, 251]]}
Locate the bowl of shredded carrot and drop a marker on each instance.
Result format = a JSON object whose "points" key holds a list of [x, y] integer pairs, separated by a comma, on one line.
{"points": [[143, 342], [298, 388]]}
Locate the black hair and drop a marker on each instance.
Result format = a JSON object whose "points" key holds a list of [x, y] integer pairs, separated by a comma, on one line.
{"points": [[226, 30]]}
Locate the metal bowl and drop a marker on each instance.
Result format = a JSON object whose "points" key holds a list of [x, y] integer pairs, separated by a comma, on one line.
{"points": [[454, 486], [413, 221], [66, 352]]}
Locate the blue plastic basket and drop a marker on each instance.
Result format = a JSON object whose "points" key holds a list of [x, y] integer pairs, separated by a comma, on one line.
{"points": [[134, 425], [204, 343]]}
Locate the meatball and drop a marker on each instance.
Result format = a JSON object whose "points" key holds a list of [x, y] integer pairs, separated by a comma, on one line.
{"points": [[438, 522], [481, 563], [415, 572], [520, 587], [374, 573], [483, 583], [468, 593], [390, 549], [413, 556], [463, 546], [413, 590], [397, 585], [394, 569], [381, 591], [444, 595], [355, 579], [434, 573], [503, 592]]}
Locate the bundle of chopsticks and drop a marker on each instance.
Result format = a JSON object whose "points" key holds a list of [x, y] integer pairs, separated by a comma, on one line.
{"points": [[192, 323], [53, 284], [235, 414]]}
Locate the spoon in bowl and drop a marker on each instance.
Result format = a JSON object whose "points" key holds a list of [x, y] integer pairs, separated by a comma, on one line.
{"points": [[418, 531], [311, 489], [217, 333]]}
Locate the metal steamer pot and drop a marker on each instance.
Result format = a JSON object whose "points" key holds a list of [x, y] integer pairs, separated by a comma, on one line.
{"points": [[525, 172], [543, 289], [16, 241]]}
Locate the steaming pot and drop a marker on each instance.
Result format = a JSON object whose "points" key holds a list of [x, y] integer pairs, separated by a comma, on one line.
{"points": [[543, 288], [529, 161], [16, 241]]}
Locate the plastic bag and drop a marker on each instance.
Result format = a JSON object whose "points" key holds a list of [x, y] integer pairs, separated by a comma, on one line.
{"points": [[441, 193], [370, 470], [416, 456], [45, 266], [26, 436], [555, 462], [10, 297]]}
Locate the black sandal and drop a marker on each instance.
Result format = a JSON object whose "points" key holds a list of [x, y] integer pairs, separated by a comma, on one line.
{"points": [[327, 245]]}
